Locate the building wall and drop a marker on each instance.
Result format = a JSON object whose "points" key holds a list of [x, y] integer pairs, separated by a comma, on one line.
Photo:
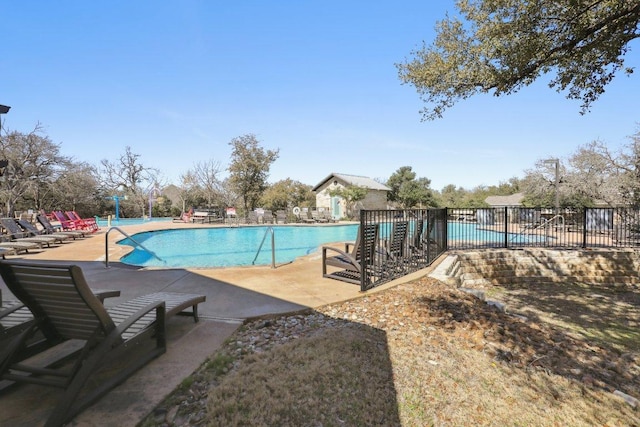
{"points": [[375, 199]]}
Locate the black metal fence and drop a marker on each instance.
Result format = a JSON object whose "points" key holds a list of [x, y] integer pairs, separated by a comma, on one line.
{"points": [[411, 239], [407, 241], [518, 227]]}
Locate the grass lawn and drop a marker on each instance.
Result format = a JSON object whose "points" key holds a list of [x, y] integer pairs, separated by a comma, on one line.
{"points": [[423, 354]]}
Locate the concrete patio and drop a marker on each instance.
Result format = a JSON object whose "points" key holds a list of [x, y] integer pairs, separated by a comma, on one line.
{"points": [[233, 295]]}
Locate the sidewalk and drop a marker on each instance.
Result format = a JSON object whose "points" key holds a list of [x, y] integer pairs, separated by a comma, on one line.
{"points": [[233, 295]]}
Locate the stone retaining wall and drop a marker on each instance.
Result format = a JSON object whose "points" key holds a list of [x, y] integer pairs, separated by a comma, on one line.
{"points": [[503, 266]]}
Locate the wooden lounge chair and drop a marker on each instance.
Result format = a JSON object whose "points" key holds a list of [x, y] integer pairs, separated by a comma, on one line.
{"points": [[32, 230], [15, 317], [90, 224], [304, 217], [397, 243], [8, 243], [67, 224], [351, 263], [17, 234], [281, 217], [266, 217], [326, 214], [318, 217], [7, 251], [121, 339], [252, 217], [50, 229]]}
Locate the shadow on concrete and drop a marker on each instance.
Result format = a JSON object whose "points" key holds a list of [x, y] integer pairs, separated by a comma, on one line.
{"points": [[189, 344]]}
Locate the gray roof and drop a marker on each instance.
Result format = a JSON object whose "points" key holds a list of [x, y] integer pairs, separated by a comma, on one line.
{"points": [[356, 180], [512, 200]]}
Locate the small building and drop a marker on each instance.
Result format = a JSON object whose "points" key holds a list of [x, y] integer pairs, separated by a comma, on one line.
{"points": [[502, 201], [376, 197]]}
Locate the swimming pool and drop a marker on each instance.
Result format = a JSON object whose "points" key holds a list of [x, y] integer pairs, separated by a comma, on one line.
{"points": [[237, 246], [460, 234], [231, 246]]}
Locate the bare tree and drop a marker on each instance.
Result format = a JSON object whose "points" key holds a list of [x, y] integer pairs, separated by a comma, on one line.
{"points": [[206, 177], [77, 187], [594, 173], [129, 176], [33, 163]]}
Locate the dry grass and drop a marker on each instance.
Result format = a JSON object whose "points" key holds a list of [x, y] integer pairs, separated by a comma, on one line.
{"points": [[340, 377], [426, 354]]}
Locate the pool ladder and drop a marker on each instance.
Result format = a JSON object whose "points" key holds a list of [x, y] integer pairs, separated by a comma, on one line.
{"points": [[140, 245], [273, 247]]}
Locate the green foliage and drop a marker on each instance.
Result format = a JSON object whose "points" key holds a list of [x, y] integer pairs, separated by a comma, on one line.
{"points": [[500, 46], [219, 364], [162, 208], [453, 197], [351, 194], [249, 169], [287, 193], [409, 191]]}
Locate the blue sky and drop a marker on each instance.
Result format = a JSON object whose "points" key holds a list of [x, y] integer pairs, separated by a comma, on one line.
{"points": [[177, 80]]}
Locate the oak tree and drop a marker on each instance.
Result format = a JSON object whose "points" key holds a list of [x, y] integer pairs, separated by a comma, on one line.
{"points": [[500, 46], [249, 169]]}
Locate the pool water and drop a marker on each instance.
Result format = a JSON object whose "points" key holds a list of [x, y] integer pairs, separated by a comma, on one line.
{"points": [[457, 231], [230, 246], [237, 246]]}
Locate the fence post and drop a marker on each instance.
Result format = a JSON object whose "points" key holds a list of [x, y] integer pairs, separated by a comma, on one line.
{"points": [[584, 227], [506, 229], [363, 270]]}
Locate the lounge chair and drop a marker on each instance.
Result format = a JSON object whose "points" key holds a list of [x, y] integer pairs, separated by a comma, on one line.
{"points": [[120, 339], [252, 217], [7, 251], [266, 217], [304, 217], [17, 234], [281, 217], [15, 317], [7, 242], [68, 224], [395, 248], [184, 216], [50, 229], [351, 262], [397, 243], [326, 214], [32, 230], [90, 224], [317, 217]]}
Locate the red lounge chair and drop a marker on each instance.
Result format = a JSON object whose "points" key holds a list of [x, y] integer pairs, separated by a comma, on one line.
{"points": [[66, 223], [89, 223]]}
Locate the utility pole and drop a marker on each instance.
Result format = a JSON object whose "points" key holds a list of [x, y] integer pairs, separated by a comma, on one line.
{"points": [[556, 162]]}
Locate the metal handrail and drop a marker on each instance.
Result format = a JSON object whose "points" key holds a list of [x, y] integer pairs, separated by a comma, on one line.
{"points": [[544, 224], [140, 245], [273, 247]]}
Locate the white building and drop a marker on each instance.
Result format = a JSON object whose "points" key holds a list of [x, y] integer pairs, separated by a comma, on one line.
{"points": [[376, 197]]}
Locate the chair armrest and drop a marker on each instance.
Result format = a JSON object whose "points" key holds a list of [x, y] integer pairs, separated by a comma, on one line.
{"points": [[331, 248], [15, 305], [103, 294], [137, 315]]}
